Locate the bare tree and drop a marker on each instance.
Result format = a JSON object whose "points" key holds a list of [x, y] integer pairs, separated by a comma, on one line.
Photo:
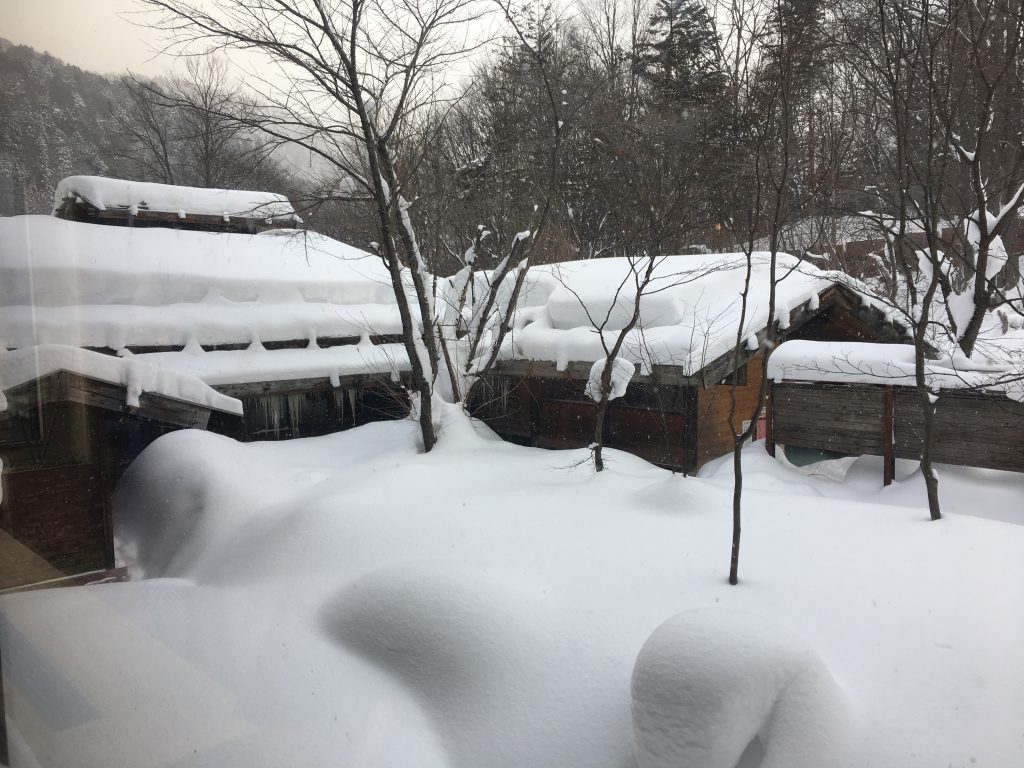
{"points": [[610, 374], [978, 106], [360, 77], [195, 129], [766, 46], [147, 129]]}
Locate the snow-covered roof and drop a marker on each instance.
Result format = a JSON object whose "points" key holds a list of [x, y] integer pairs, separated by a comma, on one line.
{"points": [[63, 282], [109, 194], [126, 289], [259, 365], [689, 312], [25, 365], [891, 364], [819, 233]]}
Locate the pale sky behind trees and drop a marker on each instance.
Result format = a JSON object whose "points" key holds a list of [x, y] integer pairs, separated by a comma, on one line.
{"points": [[111, 37], [104, 36]]}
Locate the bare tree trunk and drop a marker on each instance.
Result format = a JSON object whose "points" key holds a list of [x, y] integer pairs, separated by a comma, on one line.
{"points": [[602, 414], [931, 482], [737, 516]]}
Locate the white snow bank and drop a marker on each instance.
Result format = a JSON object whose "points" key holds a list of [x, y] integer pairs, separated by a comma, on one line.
{"points": [[344, 593], [712, 686], [466, 642], [177, 675], [688, 313], [104, 194], [622, 374], [25, 365], [892, 364]]}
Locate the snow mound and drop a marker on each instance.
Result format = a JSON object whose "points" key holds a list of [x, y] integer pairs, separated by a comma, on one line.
{"points": [[718, 688], [622, 374], [477, 650], [597, 303]]}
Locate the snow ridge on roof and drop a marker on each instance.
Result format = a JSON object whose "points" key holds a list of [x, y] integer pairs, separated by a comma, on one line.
{"points": [[689, 313], [25, 365], [105, 194], [64, 282], [849, 362]]}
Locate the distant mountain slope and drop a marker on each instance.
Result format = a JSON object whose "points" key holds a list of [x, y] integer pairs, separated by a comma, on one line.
{"points": [[55, 120]]}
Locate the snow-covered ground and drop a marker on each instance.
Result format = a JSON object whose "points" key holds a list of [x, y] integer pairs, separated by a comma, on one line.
{"points": [[348, 601]]}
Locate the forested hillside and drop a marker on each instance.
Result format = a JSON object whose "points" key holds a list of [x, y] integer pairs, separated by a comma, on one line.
{"points": [[55, 120]]}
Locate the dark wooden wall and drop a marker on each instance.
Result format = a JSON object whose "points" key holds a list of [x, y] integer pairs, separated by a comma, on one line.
{"points": [[714, 436], [308, 408], [66, 440], [55, 495], [972, 428], [61, 462], [655, 422]]}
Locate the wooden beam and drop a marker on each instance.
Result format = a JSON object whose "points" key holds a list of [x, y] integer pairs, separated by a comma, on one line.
{"points": [[769, 431], [580, 371], [106, 492], [65, 386], [199, 221], [317, 384], [888, 456], [5, 756]]}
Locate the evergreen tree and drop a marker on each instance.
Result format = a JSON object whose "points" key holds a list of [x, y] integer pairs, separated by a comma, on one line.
{"points": [[683, 62]]}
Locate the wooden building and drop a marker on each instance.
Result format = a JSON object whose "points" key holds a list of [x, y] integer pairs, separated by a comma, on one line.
{"points": [[116, 335], [975, 429], [67, 437], [850, 400], [116, 202], [675, 415], [71, 425]]}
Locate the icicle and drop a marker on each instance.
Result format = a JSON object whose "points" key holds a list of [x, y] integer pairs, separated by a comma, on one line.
{"points": [[296, 403], [814, 302], [352, 402], [311, 335]]}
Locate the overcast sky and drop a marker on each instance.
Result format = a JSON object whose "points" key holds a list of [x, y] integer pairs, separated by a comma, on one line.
{"points": [[97, 35], [105, 36]]}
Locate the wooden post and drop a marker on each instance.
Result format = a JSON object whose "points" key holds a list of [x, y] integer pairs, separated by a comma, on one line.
{"points": [[103, 456], [5, 757], [769, 431], [888, 457]]}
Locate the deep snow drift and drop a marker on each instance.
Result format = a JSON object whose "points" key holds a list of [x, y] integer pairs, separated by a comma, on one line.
{"points": [[346, 601]]}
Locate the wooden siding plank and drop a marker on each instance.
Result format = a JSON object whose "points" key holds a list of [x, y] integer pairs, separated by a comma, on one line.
{"points": [[972, 428]]}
